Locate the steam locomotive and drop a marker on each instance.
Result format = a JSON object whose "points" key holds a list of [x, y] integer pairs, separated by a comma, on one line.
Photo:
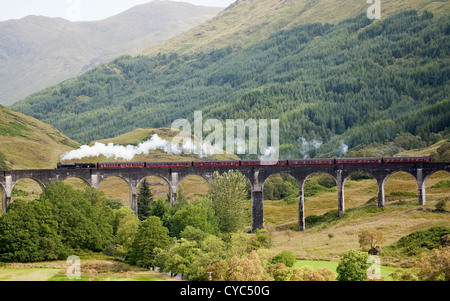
{"points": [[291, 162]]}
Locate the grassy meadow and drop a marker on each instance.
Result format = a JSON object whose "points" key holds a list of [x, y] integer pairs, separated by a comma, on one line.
{"points": [[91, 269]]}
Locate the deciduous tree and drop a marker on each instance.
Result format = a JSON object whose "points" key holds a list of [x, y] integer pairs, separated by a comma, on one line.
{"points": [[228, 194]]}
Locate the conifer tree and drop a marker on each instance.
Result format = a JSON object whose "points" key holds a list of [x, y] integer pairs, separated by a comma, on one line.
{"points": [[144, 201]]}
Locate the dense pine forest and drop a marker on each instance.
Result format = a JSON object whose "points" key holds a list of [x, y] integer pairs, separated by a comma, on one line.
{"points": [[358, 82]]}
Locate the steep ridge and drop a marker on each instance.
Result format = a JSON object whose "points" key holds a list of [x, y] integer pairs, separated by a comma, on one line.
{"points": [[248, 21], [37, 52]]}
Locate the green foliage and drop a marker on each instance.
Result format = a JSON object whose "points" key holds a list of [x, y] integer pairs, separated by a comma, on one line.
{"points": [[181, 201], [144, 199], [360, 175], [419, 241], [194, 216], [312, 190], [114, 204], [314, 220], [150, 235], [192, 233], [263, 238], [28, 232], [442, 154], [282, 274], [228, 193], [278, 186], [441, 205], [286, 257], [408, 141], [84, 220], [358, 81], [125, 234], [160, 208], [317, 184], [353, 266], [118, 215], [442, 184], [61, 219]]}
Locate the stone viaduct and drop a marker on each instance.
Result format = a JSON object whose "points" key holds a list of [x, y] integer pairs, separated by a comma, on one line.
{"points": [[256, 175]]}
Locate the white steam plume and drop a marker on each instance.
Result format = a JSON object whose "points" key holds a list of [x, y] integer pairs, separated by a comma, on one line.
{"points": [[307, 146], [343, 149], [129, 151]]}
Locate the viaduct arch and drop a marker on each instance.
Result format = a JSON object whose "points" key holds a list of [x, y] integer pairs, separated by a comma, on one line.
{"points": [[256, 175]]}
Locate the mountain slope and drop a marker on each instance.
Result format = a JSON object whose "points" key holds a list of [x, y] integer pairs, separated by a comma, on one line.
{"points": [[356, 82], [248, 21], [28, 143], [37, 52]]}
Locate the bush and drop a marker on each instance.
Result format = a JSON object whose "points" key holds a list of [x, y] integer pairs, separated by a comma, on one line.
{"points": [[360, 175], [441, 184], [431, 266], [419, 241], [353, 266], [307, 273], [282, 274], [286, 257], [441, 206], [114, 204]]}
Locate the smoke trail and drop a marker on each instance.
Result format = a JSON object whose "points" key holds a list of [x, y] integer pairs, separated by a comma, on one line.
{"points": [[307, 146], [126, 152], [343, 149]]}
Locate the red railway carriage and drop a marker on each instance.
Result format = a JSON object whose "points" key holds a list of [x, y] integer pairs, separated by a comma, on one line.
{"points": [[112, 165], [359, 161], [251, 163], [214, 163], [168, 164], [311, 162], [273, 162], [263, 162], [407, 160]]}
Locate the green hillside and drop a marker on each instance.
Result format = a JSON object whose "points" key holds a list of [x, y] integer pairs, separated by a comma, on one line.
{"points": [[27, 143], [357, 82]]}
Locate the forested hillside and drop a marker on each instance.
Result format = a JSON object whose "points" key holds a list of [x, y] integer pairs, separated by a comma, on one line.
{"points": [[357, 82]]}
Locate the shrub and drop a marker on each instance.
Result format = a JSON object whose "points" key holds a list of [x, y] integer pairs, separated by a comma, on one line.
{"points": [[441, 184], [114, 204], [431, 266], [441, 206], [307, 273], [282, 274], [416, 242], [286, 257], [353, 266]]}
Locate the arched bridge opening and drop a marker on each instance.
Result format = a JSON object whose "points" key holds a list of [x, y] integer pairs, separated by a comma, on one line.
{"points": [[116, 188]]}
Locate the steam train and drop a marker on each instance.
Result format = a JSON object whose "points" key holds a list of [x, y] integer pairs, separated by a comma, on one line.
{"points": [[291, 162]]}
